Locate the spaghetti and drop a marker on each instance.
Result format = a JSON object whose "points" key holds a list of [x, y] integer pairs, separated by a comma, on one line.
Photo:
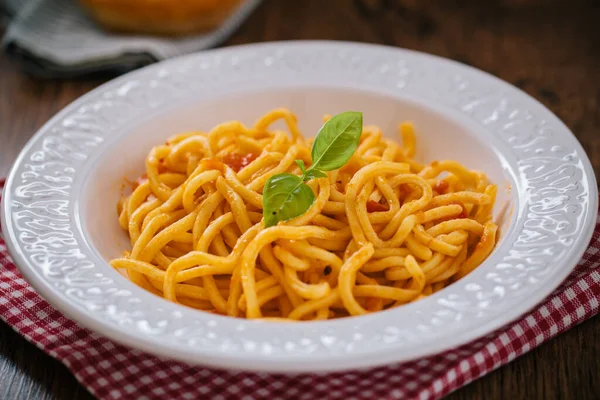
{"points": [[384, 230]]}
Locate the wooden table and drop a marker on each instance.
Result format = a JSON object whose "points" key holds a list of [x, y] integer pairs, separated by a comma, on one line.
{"points": [[549, 48]]}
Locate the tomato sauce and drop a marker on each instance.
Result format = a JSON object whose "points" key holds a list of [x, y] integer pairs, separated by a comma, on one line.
{"points": [[441, 187], [162, 167], [463, 214], [405, 190], [373, 206], [237, 161]]}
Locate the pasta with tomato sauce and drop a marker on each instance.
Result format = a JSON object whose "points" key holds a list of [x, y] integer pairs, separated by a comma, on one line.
{"points": [[380, 231]]}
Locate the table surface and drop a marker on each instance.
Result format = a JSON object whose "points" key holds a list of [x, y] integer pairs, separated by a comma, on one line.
{"points": [[548, 48]]}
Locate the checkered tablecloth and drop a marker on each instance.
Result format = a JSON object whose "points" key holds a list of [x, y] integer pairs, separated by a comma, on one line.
{"points": [[112, 371]]}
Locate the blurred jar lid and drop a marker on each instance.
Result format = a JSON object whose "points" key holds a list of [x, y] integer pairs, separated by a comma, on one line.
{"points": [[160, 17]]}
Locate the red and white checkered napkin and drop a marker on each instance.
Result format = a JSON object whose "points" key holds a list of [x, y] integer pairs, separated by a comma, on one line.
{"points": [[112, 371]]}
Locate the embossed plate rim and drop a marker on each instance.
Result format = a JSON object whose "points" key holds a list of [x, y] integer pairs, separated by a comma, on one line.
{"points": [[230, 350]]}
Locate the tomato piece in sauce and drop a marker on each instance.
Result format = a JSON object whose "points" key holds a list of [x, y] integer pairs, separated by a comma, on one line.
{"points": [[405, 189], [464, 213], [162, 167], [441, 187], [373, 206], [237, 161]]}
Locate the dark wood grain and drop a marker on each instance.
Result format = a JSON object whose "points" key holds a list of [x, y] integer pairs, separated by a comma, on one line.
{"points": [[548, 48]]}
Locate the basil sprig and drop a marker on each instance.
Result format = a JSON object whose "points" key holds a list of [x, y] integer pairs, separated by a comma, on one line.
{"points": [[286, 196]]}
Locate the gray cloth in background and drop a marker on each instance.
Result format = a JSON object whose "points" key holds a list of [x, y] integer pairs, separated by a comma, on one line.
{"points": [[11, 7], [55, 38]]}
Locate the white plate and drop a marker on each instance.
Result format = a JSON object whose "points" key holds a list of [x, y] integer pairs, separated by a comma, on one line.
{"points": [[60, 223]]}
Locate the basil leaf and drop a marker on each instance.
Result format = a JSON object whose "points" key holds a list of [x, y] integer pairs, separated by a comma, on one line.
{"points": [[300, 164], [336, 141], [314, 173], [310, 174], [285, 196]]}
